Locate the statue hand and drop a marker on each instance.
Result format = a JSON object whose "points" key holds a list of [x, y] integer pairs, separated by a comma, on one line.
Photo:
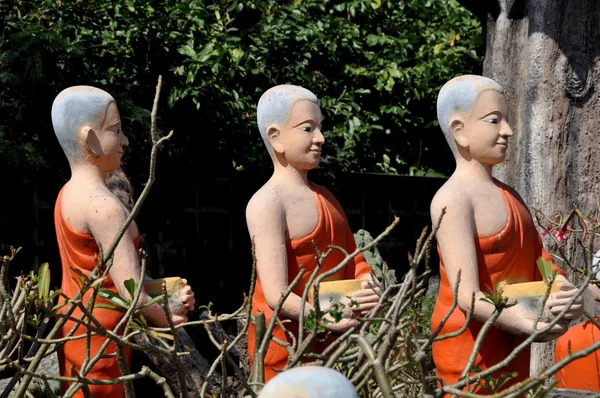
{"points": [[185, 300], [341, 326], [557, 330], [367, 298], [177, 319], [558, 301]]}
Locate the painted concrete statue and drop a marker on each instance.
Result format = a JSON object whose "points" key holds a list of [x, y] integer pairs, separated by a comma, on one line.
{"points": [[309, 382], [289, 212], [88, 216], [582, 373], [487, 233]]}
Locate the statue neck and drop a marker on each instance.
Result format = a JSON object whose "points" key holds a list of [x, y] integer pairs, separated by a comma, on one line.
{"points": [[473, 169], [290, 174], [87, 172]]}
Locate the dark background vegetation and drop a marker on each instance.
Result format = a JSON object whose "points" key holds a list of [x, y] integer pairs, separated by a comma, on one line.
{"points": [[375, 65]]}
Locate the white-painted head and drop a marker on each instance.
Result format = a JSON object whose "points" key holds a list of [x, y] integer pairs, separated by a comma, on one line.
{"points": [[74, 108], [459, 96], [309, 382], [275, 106]]}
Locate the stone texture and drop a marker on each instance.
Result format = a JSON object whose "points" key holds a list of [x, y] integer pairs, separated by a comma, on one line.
{"points": [[48, 366], [545, 53]]}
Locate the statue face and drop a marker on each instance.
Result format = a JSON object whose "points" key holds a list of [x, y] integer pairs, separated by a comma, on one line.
{"points": [[111, 140], [486, 129], [300, 138]]}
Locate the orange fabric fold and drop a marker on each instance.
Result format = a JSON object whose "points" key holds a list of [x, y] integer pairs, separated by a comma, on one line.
{"points": [[510, 256], [79, 251], [582, 373], [332, 229]]}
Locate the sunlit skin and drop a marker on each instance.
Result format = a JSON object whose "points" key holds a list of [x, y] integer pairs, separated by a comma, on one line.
{"points": [[88, 217], [298, 142], [486, 129], [112, 139], [476, 223], [288, 215], [91, 208], [284, 208], [475, 207]]}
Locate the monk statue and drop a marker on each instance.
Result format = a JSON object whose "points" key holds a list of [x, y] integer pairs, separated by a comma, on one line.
{"points": [[488, 234], [287, 214], [582, 373], [87, 217], [309, 382]]}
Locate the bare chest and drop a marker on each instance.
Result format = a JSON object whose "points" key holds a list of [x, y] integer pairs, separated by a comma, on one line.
{"points": [[301, 214], [491, 214]]}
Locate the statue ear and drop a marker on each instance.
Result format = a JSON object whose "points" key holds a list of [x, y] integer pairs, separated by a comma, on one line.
{"points": [[457, 129], [91, 141], [273, 136]]}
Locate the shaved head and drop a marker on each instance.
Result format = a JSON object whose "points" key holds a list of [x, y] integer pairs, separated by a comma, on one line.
{"points": [[459, 95], [74, 108], [275, 105]]}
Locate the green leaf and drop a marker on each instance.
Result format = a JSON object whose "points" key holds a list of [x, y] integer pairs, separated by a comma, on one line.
{"points": [[44, 283], [153, 301], [545, 268], [187, 50], [60, 305], [113, 297], [109, 307], [130, 285], [237, 54], [503, 379]]}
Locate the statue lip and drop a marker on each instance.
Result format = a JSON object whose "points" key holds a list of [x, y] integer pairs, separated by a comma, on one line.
{"points": [[505, 144]]}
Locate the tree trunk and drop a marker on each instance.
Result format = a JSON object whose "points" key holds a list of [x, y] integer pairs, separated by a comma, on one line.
{"points": [[196, 365], [545, 55]]}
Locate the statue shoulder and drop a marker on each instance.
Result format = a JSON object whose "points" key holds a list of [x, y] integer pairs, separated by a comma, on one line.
{"points": [[89, 209], [452, 195], [103, 207], [266, 202], [509, 189], [320, 189]]}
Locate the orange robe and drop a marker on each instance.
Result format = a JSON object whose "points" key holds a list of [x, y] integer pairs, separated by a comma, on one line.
{"points": [[583, 373], [332, 229], [80, 251], [509, 255]]}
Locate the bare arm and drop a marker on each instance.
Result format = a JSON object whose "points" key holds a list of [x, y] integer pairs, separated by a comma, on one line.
{"points": [[456, 239], [265, 217], [104, 223]]}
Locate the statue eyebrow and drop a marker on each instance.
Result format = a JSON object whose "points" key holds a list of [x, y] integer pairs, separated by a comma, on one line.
{"points": [[114, 124], [309, 120], [496, 112]]}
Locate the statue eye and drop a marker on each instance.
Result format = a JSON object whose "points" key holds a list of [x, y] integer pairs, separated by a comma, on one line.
{"points": [[306, 129], [493, 120]]}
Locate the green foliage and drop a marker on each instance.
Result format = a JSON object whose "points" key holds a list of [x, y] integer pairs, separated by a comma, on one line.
{"points": [[494, 297], [545, 268], [541, 391], [44, 283], [491, 384], [118, 303], [309, 323], [376, 66], [380, 268]]}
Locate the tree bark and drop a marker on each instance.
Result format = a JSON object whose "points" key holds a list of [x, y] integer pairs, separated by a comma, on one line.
{"points": [[196, 365], [545, 53]]}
